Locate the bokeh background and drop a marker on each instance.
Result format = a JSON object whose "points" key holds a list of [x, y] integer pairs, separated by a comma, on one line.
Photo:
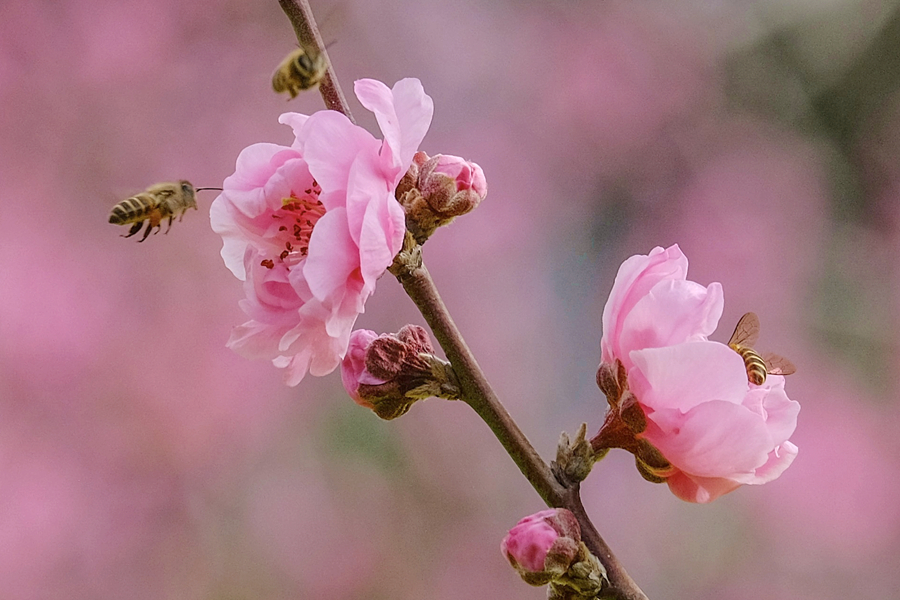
{"points": [[141, 459]]}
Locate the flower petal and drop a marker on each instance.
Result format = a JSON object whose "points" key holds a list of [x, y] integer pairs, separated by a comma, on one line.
{"points": [[687, 375], [771, 403], [331, 147], [296, 121], [635, 279], [333, 257], [701, 490], [404, 114], [673, 312], [779, 459], [714, 439]]}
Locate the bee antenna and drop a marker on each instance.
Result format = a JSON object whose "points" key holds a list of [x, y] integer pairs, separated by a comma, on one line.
{"points": [[208, 188]]}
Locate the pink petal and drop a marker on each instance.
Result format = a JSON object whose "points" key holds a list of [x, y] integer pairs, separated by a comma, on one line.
{"points": [[223, 220], [346, 307], [331, 147], [296, 121], [353, 367], [673, 312], [527, 544], [635, 278], [687, 375], [404, 115], [365, 185], [714, 439], [779, 460], [255, 340], [772, 404], [700, 489], [380, 238], [328, 351], [333, 257], [295, 367], [321, 353], [255, 166]]}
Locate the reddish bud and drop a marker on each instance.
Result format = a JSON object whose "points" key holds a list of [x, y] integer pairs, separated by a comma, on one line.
{"points": [[389, 372], [542, 546], [438, 189]]}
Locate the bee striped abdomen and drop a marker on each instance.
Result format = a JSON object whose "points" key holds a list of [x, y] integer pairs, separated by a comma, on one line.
{"points": [[130, 210], [753, 362]]}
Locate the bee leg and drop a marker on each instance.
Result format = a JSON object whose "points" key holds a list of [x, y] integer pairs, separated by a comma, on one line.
{"points": [[147, 232], [134, 229], [170, 224], [155, 217]]}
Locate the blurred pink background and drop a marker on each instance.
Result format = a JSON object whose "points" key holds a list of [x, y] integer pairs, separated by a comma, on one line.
{"points": [[139, 458]]}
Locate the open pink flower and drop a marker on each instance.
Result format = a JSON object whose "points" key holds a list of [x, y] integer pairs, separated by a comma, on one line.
{"points": [[716, 429], [321, 217]]}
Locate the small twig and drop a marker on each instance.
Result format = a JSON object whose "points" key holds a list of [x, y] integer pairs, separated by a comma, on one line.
{"points": [[301, 17], [477, 393], [621, 585]]}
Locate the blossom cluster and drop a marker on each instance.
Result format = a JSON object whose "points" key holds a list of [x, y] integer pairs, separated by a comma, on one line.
{"points": [[310, 227]]}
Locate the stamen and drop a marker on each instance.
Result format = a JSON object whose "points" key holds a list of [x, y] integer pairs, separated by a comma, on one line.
{"points": [[305, 211]]}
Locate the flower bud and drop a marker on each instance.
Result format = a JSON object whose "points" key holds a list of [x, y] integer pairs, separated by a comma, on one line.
{"points": [[574, 458], [353, 367], [438, 189], [389, 372], [451, 185], [542, 546]]}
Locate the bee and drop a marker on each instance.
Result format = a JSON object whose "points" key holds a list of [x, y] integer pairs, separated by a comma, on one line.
{"points": [[758, 366], [301, 70], [155, 204]]}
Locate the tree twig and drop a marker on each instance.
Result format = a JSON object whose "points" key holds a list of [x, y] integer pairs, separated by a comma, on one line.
{"points": [[301, 17], [477, 393]]}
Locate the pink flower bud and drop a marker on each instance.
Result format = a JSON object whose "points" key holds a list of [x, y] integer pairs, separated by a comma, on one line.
{"points": [[543, 545], [353, 367], [451, 185], [389, 372], [435, 190]]}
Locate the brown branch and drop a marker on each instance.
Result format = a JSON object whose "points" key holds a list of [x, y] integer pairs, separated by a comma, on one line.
{"points": [[477, 393], [621, 585], [475, 389], [301, 17]]}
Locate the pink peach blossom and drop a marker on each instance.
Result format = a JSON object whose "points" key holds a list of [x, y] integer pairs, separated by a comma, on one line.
{"points": [[321, 217], [716, 429]]}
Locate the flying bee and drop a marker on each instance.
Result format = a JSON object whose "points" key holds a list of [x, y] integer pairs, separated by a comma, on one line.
{"points": [[745, 335], [153, 205], [301, 70]]}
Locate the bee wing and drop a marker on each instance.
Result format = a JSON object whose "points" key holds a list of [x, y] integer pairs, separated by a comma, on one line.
{"points": [[746, 332], [163, 190], [778, 365]]}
